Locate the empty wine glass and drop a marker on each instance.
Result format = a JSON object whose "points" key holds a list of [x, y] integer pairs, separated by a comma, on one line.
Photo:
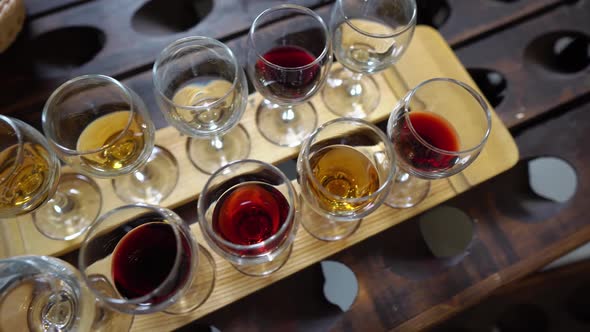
{"points": [[149, 256], [202, 91], [30, 182], [368, 36], [100, 127], [437, 129], [40, 293], [288, 63], [345, 169], [247, 212]]}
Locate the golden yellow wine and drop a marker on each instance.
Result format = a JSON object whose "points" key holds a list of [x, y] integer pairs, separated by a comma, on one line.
{"points": [[20, 185], [346, 173], [115, 152], [197, 95]]}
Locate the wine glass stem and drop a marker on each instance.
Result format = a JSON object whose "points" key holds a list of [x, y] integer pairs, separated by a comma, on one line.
{"points": [[288, 114], [217, 143], [402, 176], [62, 203], [355, 88]]}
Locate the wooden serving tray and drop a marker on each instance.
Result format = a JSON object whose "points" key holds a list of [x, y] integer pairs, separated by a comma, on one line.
{"points": [[428, 56]]}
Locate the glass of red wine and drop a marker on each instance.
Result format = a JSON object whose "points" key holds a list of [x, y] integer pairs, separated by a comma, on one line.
{"points": [[247, 212], [149, 257], [345, 170], [437, 129], [288, 62], [368, 36]]}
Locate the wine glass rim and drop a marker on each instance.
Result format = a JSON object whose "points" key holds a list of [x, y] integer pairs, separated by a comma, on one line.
{"points": [[179, 42], [303, 10], [409, 25], [19, 152], [388, 146], [98, 77], [171, 218], [202, 209], [472, 92]]}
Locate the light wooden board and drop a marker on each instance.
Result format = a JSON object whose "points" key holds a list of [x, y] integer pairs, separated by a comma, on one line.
{"points": [[428, 56]]}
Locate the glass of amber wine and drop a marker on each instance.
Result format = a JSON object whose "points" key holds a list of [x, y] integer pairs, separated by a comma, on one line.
{"points": [[202, 91], [345, 170], [30, 182], [100, 127]]}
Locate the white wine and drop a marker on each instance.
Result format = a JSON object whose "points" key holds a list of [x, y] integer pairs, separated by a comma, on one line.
{"points": [[119, 146], [21, 183]]}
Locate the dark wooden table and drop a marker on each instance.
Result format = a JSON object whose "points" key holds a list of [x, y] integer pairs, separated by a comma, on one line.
{"points": [[508, 46]]}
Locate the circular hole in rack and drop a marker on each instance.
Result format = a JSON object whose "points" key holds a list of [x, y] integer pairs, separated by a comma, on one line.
{"points": [[565, 52], [433, 12], [68, 47], [161, 17], [523, 318], [578, 303], [491, 83]]}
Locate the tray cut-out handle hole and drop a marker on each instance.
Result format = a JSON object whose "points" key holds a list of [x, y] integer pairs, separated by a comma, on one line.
{"points": [[564, 52], [68, 47], [162, 17], [433, 12]]}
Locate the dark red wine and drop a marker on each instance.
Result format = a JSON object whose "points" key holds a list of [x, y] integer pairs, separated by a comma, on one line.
{"points": [[288, 83], [143, 259], [250, 213], [437, 132]]}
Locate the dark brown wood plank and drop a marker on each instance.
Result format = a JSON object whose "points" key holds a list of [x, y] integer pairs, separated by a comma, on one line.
{"points": [[42, 7], [403, 287], [532, 89]]}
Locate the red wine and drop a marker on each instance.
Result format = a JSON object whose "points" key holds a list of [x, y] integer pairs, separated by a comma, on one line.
{"points": [[250, 213], [437, 132], [143, 259], [288, 83]]}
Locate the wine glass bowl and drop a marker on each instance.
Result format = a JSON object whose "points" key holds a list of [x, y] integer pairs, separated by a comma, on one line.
{"points": [[437, 129], [288, 64], [202, 91], [247, 212], [345, 169], [367, 37], [149, 257], [29, 170]]}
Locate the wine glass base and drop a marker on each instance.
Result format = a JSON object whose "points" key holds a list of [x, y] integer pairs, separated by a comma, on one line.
{"points": [[201, 287], [286, 127], [323, 228], [346, 97], [75, 205], [264, 269], [209, 155], [407, 191], [152, 182]]}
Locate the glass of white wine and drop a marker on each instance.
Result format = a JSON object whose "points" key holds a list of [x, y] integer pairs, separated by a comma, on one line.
{"points": [[40, 293], [30, 182], [202, 91], [345, 170], [100, 127], [368, 36]]}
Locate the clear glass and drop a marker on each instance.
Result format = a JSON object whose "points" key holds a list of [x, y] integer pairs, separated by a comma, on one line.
{"points": [[243, 214], [446, 107], [100, 127], [181, 273], [288, 64], [202, 91], [39, 293], [345, 170], [368, 36], [30, 182]]}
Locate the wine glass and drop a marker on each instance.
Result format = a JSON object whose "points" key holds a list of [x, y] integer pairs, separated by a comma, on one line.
{"points": [[100, 127], [368, 37], [247, 212], [40, 293], [288, 64], [62, 208], [202, 91], [345, 170], [149, 256], [437, 129]]}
